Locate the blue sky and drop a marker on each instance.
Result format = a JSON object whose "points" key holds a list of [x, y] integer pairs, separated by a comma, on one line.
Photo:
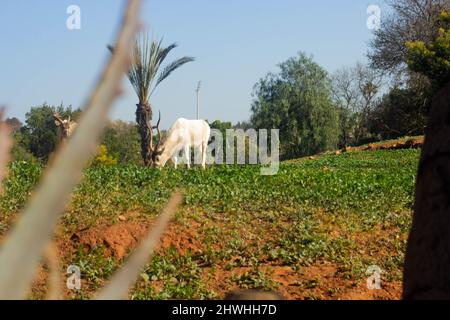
{"points": [[235, 42]]}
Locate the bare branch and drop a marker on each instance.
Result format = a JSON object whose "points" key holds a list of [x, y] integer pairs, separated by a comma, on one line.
{"points": [[54, 277], [123, 279], [23, 249]]}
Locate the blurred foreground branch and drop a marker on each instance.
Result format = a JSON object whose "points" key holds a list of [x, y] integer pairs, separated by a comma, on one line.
{"points": [[23, 248], [5, 146], [123, 279]]}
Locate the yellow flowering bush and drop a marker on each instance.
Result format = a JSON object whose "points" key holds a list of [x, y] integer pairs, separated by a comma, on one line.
{"points": [[103, 158], [433, 59]]}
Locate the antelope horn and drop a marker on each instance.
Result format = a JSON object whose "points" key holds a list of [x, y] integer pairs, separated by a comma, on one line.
{"points": [[57, 117], [150, 130], [159, 132]]}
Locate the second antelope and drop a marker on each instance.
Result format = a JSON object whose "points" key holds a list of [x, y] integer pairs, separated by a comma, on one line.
{"points": [[183, 135], [65, 127]]}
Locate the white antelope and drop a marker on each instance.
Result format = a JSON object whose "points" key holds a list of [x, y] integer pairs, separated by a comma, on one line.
{"points": [[183, 135]]}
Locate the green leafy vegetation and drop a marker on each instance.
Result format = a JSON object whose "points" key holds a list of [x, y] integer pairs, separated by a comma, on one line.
{"points": [[350, 210]]}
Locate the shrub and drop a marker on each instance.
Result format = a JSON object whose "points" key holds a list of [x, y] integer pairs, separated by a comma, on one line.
{"points": [[103, 158]]}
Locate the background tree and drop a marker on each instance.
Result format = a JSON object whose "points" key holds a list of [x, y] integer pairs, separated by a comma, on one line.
{"points": [[432, 59], [145, 76], [369, 82], [123, 142], [410, 20], [38, 135], [14, 124], [19, 150], [401, 112], [244, 125], [344, 95], [354, 92], [404, 36], [404, 109], [297, 101], [222, 126]]}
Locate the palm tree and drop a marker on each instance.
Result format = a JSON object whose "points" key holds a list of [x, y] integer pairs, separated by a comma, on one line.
{"points": [[145, 76]]}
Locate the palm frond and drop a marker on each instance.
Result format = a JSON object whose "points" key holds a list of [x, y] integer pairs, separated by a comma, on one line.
{"points": [[139, 75], [170, 68], [147, 58]]}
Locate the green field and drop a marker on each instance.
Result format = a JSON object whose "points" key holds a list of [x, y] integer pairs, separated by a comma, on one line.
{"points": [[310, 232]]}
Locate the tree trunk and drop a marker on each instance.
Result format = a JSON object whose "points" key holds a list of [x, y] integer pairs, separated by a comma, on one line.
{"points": [[427, 263], [144, 120]]}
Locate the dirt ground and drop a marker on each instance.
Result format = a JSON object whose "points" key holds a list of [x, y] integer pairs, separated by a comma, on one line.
{"points": [[322, 280], [408, 143]]}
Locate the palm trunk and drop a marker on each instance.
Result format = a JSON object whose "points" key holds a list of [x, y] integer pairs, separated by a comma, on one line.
{"points": [[427, 263], [144, 120]]}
